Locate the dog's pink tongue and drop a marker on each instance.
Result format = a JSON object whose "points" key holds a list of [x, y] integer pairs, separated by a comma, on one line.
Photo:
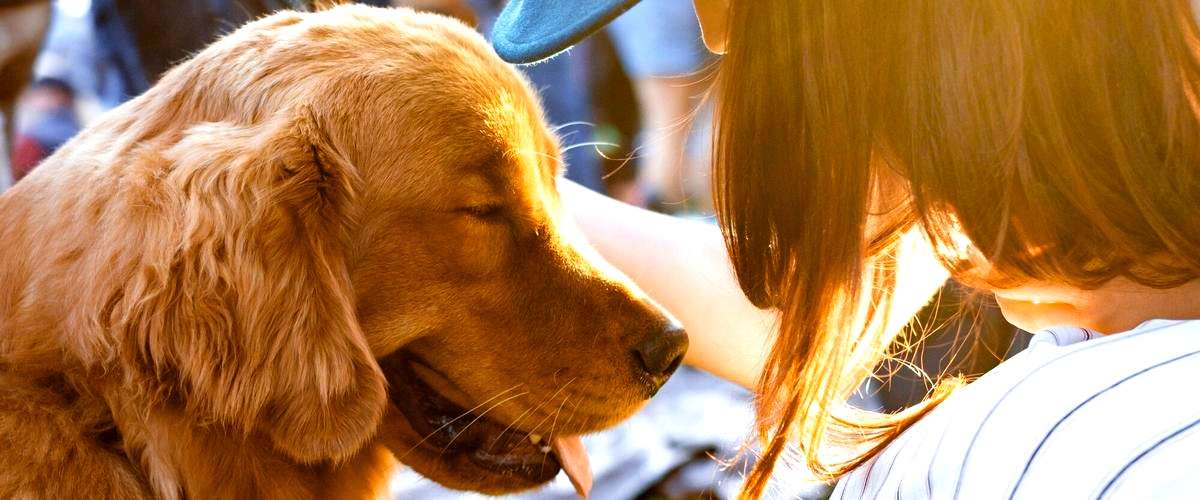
{"points": [[574, 460]]}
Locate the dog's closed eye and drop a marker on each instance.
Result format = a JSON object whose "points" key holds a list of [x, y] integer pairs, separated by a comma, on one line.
{"points": [[485, 211]]}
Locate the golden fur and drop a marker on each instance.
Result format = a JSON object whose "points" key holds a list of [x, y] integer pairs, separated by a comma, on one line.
{"points": [[194, 292]]}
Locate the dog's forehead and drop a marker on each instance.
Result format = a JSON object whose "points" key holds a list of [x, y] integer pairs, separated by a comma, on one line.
{"points": [[521, 159], [489, 143], [468, 91], [515, 125], [421, 93]]}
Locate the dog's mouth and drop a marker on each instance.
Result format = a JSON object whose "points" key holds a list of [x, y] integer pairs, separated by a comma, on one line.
{"points": [[447, 429]]}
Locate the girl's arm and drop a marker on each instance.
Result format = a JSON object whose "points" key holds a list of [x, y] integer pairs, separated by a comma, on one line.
{"points": [[683, 265]]}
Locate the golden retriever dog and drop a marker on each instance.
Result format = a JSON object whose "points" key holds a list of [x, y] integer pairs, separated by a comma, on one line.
{"points": [[327, 242]]}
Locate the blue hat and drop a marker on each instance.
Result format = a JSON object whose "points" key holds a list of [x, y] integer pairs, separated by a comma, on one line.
{"points": [[531, 30]]}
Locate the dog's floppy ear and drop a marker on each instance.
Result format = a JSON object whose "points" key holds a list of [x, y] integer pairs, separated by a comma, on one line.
{"points": [[247, 312]]}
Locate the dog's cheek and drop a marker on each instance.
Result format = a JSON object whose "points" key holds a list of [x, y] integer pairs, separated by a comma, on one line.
{"points": [[483, 250], [387, 331]]}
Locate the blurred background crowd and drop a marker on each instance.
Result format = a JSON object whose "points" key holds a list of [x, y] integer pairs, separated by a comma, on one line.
{"points": [[625, 102], [629, 108]]}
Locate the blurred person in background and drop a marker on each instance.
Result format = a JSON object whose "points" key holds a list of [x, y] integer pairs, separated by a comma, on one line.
{"points": [[659, 48], [100, 53], [659, 45], [49, 120], [70, 76], [148, 37], [23, 24]]}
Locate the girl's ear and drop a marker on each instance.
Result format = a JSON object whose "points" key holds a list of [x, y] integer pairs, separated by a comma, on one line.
{"points": [[249, 310], [714, 23]]}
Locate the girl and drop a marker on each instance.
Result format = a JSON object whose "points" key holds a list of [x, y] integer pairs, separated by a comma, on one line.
{"points": [[1047, 152]]}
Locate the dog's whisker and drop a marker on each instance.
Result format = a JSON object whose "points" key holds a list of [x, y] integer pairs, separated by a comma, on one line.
{"points": [[558, 412], [569, 419], [555, 423], [481, 415], [574, 409], [574, 146], [538, 153], [510, 426], [653, 138], [574, 412], [548, 415], [564, 137], [534, 409], [590, 143], [633, 155], [455, 419], [535, 428], [561, 126]]}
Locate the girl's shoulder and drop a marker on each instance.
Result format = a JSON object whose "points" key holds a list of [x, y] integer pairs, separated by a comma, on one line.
{"points": [[1074, 415]]}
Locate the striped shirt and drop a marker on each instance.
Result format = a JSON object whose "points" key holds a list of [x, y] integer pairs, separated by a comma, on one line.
{"points": [[1075, 415]]}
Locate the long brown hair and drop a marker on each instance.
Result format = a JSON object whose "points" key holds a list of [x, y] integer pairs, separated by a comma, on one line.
{"points": [[1062, 138]]}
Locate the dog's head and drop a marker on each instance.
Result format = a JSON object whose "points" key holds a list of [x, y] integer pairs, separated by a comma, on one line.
{"points": [[500, 333], [501, 327]]}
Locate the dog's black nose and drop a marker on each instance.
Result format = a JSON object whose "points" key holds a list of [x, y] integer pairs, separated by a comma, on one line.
{"points": [[661, 354]]}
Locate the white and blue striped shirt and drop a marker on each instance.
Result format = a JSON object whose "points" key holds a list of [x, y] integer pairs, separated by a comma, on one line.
{"points": [[1075, 415]]}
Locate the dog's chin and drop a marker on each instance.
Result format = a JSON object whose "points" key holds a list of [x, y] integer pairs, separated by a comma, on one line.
{"points": [[457, 447]]}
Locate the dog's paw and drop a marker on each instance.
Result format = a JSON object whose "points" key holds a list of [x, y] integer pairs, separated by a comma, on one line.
{"points": [[311, 429]]}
